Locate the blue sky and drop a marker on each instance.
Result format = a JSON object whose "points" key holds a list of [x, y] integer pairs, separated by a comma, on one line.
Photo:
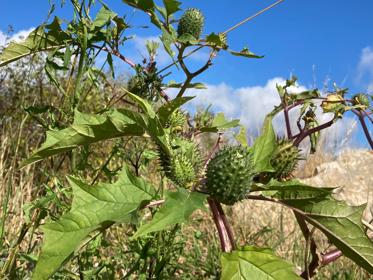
{"points": [[316, 40]]}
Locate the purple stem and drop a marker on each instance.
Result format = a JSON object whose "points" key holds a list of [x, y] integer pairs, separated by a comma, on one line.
{"points": [[303, 134], [226, 224], [365, 129], [331, 256], [226, 246], [287, 122]]}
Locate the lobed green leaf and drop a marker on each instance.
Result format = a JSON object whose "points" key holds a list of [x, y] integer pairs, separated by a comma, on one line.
{"points": [[177, 209], [341, 223], [93, 207], [255, 263], [37, 41]]}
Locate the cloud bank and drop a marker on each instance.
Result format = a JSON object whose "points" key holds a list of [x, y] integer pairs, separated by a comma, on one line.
{"points": [[365, 67], [251, 104], [18, 36]]}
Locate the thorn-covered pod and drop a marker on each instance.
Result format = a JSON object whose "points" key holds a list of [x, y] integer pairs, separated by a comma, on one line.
{"points": [[191, 22], [176, 121], [230, 174], [284, 159], [184, 164]]}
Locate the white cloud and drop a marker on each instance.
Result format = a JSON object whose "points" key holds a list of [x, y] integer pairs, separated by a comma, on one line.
{"points": [[365, 68], [366, 61], [20, 35], [251, 104]]}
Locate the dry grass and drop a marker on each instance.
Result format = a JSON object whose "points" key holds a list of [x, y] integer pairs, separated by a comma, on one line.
{"points": [[254, 222]]}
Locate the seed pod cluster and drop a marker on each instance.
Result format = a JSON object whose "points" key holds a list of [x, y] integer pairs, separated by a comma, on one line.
{"points": [[230, 174]]}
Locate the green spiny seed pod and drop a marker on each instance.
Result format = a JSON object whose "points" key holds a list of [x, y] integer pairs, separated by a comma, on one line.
{"points": [[184, 164], [284, 159], [177, 120], [362, 100], [230, 174], [191, 22]]}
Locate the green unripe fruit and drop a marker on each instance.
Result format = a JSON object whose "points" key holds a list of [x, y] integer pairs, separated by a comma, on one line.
{"points": [[191, 22], [284, 159], [362, 100], [176, 121], [183, 165], [230, 174]]}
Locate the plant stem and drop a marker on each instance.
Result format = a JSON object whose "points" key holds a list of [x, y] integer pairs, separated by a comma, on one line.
{"points": [[226, 224], [225, 243], [303, 134], [253, 16], [287, 122], [331, 256], [365, 128], [310, 269]]}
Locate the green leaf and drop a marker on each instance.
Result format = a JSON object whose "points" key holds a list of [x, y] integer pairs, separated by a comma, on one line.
{"points": [[246, 53], [216, 40], [173, 84], [220, 123], [296, 191], [167, 40], [147, 6], [293, 185], [342, 224], [144, 104], [144, 5], [264, 146], [188, 39], [87, 129], [309, 94], [103, 17], [177, 209], [150, 122], [111, 65], [172, 6], [241, 136], [93, 207], [255, 263], [38, 40], [167, 109]]}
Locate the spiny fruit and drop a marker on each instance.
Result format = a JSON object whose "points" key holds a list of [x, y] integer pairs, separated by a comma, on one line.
{"points": [[362, 100], [176, 121], [230, 174], [184, 164], [191, 22], [284, 159]]}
